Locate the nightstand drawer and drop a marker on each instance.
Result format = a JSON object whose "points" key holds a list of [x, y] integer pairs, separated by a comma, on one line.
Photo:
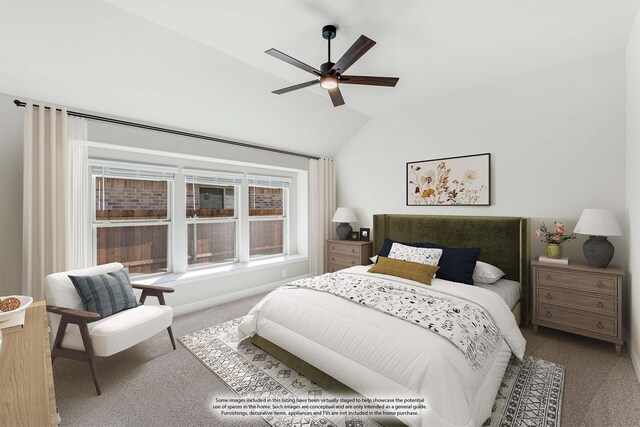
{"points": [[592, 303], [584, 282], [335, 266], [347, 260], [591, 323], [344, 250]]}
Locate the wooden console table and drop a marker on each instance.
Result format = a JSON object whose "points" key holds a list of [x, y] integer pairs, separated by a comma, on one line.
{"points": [[27, 396]]}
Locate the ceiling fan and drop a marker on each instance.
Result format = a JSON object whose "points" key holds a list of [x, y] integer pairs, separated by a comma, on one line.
{"points": [[331, 75]]}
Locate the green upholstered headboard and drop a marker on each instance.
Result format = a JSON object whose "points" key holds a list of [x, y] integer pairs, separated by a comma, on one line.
{"points": [[504, 241]]}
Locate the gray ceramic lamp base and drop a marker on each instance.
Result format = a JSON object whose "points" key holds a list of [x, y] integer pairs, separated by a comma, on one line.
{"points": [[344, 231], [598, 251]]}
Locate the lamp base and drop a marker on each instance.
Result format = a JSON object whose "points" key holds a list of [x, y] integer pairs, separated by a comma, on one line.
{"points": [[344, 231], [598, 251]]}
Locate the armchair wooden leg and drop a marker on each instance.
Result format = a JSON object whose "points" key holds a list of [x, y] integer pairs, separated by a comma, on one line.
{"points": [[88, 348], [173, 343]]}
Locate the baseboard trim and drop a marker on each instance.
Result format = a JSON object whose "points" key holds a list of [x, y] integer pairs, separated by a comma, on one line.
{"points": [[180, 310], [634, 353]]}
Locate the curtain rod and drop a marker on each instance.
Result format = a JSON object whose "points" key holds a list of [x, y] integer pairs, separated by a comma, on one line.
{"points": [[172, 131]]}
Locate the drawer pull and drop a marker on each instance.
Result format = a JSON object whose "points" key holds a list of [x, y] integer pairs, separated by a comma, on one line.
{"points": [[600, 325], [333, 258], [600, 284], [600, 305], [548, 295], [353, 251], [332, 247], [548, 277], [353, 263], [548, 314]]}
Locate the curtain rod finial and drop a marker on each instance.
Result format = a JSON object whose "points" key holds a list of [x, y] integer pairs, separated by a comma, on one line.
{"points": [[17, 102]]}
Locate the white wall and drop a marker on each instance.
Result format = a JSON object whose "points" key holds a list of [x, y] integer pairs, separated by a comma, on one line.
{"points": [[11, 129], [633, 193], [556, 138]]}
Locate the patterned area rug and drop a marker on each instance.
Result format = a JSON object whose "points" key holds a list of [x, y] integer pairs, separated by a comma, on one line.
{"points": [[530, 393]]}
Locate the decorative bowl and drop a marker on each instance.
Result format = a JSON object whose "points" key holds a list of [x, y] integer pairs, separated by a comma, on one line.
{"points": [[25, 302]]}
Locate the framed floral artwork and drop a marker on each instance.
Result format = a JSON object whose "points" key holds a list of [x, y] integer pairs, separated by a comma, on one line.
{"points": [[459, 181]]}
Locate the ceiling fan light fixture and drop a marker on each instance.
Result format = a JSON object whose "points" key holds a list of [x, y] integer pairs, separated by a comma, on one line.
{"points": [[328, 82]]}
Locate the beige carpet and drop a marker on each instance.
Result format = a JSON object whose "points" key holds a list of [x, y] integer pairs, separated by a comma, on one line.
{"points": [[153, 385]]}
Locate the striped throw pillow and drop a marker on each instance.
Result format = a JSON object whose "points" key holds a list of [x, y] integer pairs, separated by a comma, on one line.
{"points": [[419, 272], [106, 294]]}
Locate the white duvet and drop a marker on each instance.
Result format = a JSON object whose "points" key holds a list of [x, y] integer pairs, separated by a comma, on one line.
{"points": [[381, 356]]}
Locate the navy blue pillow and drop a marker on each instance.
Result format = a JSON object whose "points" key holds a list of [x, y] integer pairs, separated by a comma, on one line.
{"points": [[456, 264], [386, 246]]}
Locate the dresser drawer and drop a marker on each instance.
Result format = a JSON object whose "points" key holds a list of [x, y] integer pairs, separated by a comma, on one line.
{"points": [[593, 303], [345, 250], [584, 282], [592, 323]]}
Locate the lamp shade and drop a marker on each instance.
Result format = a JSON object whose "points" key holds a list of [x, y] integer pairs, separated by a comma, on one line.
{"points": [[344, 215], [598, 222]]}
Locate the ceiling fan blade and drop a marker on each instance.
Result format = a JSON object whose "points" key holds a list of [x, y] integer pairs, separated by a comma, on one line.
{"points": [[295, 87], [369, 80], [336, 97], [286, 58], [359, 48]]}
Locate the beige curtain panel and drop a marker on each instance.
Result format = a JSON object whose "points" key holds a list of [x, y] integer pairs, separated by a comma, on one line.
{"points": [[322, 205], [45, 197]]}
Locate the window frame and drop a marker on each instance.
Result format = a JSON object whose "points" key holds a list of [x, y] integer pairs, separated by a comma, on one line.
{"points": [[271, 182], [138, 172], [177, 230], [231, 219]]}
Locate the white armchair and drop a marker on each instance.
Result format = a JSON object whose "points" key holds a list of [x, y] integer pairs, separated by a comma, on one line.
{"points": [[80, 336]]}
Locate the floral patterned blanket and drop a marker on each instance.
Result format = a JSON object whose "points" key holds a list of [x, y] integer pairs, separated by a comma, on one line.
{"points": [[464, 323]]}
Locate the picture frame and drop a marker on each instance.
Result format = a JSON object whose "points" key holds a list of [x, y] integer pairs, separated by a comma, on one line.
{"points": [[450, 181], [364, 234], [355, 235]]}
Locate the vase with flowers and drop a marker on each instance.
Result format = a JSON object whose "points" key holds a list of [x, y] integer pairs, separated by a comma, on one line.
{"points": [[554, 239]]}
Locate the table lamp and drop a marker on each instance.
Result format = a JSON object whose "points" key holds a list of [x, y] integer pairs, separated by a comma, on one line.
{"points": [[598, 224], [344, 216]]}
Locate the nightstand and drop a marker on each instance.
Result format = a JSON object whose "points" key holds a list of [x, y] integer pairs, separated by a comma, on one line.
{"points": [[579, 299], [347, 253]]}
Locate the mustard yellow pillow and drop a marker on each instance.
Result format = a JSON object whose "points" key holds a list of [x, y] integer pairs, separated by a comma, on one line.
{"points": [[419, 272]]}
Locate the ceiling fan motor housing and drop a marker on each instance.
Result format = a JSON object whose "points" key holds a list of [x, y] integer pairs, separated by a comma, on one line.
{"points": [[326, 67]]}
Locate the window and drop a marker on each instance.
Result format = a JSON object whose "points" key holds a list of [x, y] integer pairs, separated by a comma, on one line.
{"points": [[212, 217], [268, 223], [158, 219], [131, 216]]}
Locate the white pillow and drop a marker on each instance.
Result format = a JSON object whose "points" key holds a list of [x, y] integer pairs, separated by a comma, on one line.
{"points": [[429, 256], [486, 273], [374, 259]]}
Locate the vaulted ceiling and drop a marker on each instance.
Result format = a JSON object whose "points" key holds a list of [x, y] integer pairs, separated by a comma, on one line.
{"points": [[200, 65]]}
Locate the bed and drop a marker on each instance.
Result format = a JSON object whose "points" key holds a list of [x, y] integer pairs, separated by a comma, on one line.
{"points": [[345, 346]]}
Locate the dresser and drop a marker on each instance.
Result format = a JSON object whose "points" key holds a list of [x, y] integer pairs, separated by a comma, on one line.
{"points": [[347, 253], [579, 299]]}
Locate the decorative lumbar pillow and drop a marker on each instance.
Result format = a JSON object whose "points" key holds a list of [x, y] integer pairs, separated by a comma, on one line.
{"points": [[419, 272], [456, 264], [388, 243], [105, 294], [429, 256], [487, 273]]}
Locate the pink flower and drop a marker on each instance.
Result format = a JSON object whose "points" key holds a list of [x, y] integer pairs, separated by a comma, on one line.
{"points": [[538, 234], [559, 228], [556, 238]]}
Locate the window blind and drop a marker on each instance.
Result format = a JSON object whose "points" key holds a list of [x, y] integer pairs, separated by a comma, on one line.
{"points": [[132, 171], [268, 181], [212, 177]]}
